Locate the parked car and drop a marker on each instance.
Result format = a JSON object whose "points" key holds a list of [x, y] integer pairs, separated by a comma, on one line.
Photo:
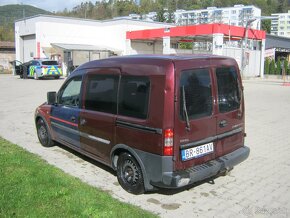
{"points": [[159, 121], [39, 68]]}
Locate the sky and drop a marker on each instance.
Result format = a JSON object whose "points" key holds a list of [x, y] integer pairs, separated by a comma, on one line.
{"points": [[48, 5]]}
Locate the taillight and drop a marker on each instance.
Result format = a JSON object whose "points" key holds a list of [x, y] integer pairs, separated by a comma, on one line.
{"points": [[168, 142]]}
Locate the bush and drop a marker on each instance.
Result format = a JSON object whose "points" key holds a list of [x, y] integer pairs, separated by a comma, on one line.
{"points": [[267, 66], [272, 68], [286, 66], [279, 68]]}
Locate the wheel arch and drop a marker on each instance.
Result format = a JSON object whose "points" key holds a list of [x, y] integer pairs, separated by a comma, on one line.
{"points": [[39, 116], [121, 148]]}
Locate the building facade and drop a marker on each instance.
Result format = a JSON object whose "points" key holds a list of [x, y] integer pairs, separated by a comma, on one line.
{"points": [[72, 39], [280, 26], [238, 15]]}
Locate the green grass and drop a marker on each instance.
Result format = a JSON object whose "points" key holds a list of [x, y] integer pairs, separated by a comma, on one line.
{"points": [[29, 187]]}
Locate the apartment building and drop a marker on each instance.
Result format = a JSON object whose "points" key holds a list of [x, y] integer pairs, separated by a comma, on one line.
{"points": [[280, 26], [238, 15]]}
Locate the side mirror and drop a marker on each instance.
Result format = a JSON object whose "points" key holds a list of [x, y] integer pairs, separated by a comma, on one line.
{"points": [[51, 98]]}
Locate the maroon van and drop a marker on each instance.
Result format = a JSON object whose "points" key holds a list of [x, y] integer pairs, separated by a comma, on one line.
{"points": [[159, 121]]}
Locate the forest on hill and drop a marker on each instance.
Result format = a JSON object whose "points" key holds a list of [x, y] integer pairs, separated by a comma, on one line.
{"points": [[10, 13]]}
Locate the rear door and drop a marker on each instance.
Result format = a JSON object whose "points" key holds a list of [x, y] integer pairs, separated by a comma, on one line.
{"points": [[230, 117], [98, 116], [195, 119]]}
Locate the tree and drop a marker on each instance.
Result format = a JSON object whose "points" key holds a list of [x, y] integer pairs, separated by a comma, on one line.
{"points": [[282, 6], [266, 25], [161, 15]]}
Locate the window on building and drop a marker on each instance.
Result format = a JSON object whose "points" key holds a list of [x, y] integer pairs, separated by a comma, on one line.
{"points": [[134, 96]]}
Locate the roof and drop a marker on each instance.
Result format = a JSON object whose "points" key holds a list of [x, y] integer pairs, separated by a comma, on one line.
{"points": [[170, 57], [278, 42], [82, 47], [196, 30], [156, 60], [91, 21]]}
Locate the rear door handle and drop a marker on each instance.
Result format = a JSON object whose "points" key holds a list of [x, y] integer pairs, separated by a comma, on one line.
{"points": [[83, 122], [223, 123]]}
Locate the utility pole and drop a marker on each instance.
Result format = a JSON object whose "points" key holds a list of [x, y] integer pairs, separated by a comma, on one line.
{"points": [[245, 41]]}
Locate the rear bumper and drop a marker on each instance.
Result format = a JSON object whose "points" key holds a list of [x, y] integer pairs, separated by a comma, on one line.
{"points": [[203, 171]]}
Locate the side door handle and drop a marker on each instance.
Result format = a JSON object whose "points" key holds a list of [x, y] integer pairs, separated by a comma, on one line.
{"points": [[223, 123], [73, 119]]}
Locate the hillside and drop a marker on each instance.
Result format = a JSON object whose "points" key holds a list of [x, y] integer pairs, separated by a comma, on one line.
{"points": [[10, 13]]}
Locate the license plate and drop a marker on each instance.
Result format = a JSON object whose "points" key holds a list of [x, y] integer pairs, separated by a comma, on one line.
{"points": [[196, 152]]}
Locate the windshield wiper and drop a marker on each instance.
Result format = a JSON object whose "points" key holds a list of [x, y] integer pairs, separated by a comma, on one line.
{"points": [[185, 110]]}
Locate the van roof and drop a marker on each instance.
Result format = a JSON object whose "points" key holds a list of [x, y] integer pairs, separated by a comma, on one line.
{"points": [[173, 56], [148, 59]]}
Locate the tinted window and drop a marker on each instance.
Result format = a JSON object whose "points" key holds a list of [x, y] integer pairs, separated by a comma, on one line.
{"points": [[35, 63], [69, 95], [229, 97], [101, 93], [134, 96], [195, 94], [49, 63]]}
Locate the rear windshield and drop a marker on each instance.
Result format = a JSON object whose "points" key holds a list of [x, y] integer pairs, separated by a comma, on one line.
{"points": [[229, 94], [49, 63], [195, 94]]}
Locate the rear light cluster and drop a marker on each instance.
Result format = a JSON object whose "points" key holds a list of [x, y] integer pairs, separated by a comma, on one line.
{"points": [[168, 142]]}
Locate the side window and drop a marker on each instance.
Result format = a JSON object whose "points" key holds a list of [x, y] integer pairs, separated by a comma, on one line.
{"points": [[229, 93], [195, 94], [134, 96], [101, 93], [34, 63], [69, 95]]}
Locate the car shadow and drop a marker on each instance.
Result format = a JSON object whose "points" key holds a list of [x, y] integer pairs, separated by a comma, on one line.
{"points": [[87, 159], [162, 191]]}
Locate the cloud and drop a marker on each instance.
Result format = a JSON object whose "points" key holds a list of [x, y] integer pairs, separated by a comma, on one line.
{"points": [[49, 5]]}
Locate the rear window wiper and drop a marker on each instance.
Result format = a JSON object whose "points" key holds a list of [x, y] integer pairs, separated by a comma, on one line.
{"points": [[185, 109]]}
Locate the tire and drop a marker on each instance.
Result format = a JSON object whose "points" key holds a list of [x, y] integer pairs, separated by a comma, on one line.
{"points": [[43, 134], [129, 174]]}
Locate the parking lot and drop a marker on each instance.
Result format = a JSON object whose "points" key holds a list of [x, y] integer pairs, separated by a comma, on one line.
{"points": [[258, 187]]}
